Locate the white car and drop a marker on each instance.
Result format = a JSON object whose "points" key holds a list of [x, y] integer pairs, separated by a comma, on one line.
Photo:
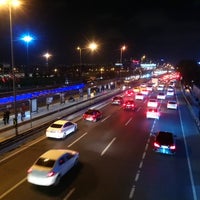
{"points": [[172, 104], [161, 95], [153, 103], [139, 96], [51, 166], [60, 129], [170, 92], [160, 87], [152, 113]]}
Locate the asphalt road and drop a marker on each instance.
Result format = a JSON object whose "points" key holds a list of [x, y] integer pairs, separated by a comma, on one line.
{"points": [[116, 159]]}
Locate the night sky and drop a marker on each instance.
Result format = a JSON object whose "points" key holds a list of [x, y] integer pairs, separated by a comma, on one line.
{"points": [[168, 30]]}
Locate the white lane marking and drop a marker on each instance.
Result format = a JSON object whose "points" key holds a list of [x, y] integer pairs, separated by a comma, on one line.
{"points": [[138, 109], [132, 192], [77, 139], [137, 176], [188, 159], [141, 164], [105, 118], [69, 194], [23, 148], [143, 155], [12, 188], [128, 121], [103, 152]]}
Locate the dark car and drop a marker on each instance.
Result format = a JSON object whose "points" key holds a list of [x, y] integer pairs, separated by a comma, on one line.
{"points": [[117, 100], [164, 143], [92, 115], [129, 105]]}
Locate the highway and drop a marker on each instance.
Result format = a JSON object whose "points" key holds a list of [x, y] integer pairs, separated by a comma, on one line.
{"points": [[116, 158]]}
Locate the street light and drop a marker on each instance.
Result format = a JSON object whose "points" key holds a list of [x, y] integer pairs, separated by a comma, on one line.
{"points": [[47, 56], [27, 39], [92, 46], [121, 52], [80, 54], [10, 4]]}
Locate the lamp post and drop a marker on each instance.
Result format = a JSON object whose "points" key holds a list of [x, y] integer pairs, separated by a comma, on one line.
{"points": [[27, 39], [47, 56], [10, 4], [80, 54], [121, 52], [92, 46]]}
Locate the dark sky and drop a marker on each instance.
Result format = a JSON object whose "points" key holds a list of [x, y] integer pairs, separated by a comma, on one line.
{"points": [[168, 30]]}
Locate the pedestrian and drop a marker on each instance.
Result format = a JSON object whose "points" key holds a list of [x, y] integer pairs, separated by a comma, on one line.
{"points": [[4, 118], [7, 115], [22, 114]]}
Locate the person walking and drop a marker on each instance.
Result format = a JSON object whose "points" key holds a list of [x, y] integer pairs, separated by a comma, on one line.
{"points": [[7, 116], [4, 118]]}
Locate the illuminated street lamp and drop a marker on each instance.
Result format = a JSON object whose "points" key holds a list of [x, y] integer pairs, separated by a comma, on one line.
{"points": [[10, 4], [123, 48], [47, 56], [80, 54], [27, 39], [92, 46]]}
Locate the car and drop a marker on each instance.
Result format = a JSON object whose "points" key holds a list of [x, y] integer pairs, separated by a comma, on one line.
{"points": [[170, 92], [153, 103], [144, 91], [61, 128], [164, 142], [51, 166], [172, 104], [139, 96], [92, 115], [117, 100], [160, 87], [129, 105], [150, 87], [153, 113], [161, 95], [129, 93], [136, 89]]}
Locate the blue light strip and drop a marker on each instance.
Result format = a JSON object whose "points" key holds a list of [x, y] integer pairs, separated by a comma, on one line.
{"points": [[27, 96]]}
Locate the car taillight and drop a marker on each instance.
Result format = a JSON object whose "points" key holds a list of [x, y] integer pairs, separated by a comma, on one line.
{"points": [[29, 170], [172, 147], [156, 144], [51, 173]]}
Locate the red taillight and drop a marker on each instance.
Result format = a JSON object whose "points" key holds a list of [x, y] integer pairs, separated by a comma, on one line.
{"points": [[29, 170], [51, 173], [156, 144], [173, 147]]}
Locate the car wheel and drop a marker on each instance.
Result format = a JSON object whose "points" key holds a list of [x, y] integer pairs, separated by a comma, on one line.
{"points": [[57, 180]]}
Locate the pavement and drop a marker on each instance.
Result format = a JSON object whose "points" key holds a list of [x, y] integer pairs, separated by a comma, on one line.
{"points": [[56, 110]]}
